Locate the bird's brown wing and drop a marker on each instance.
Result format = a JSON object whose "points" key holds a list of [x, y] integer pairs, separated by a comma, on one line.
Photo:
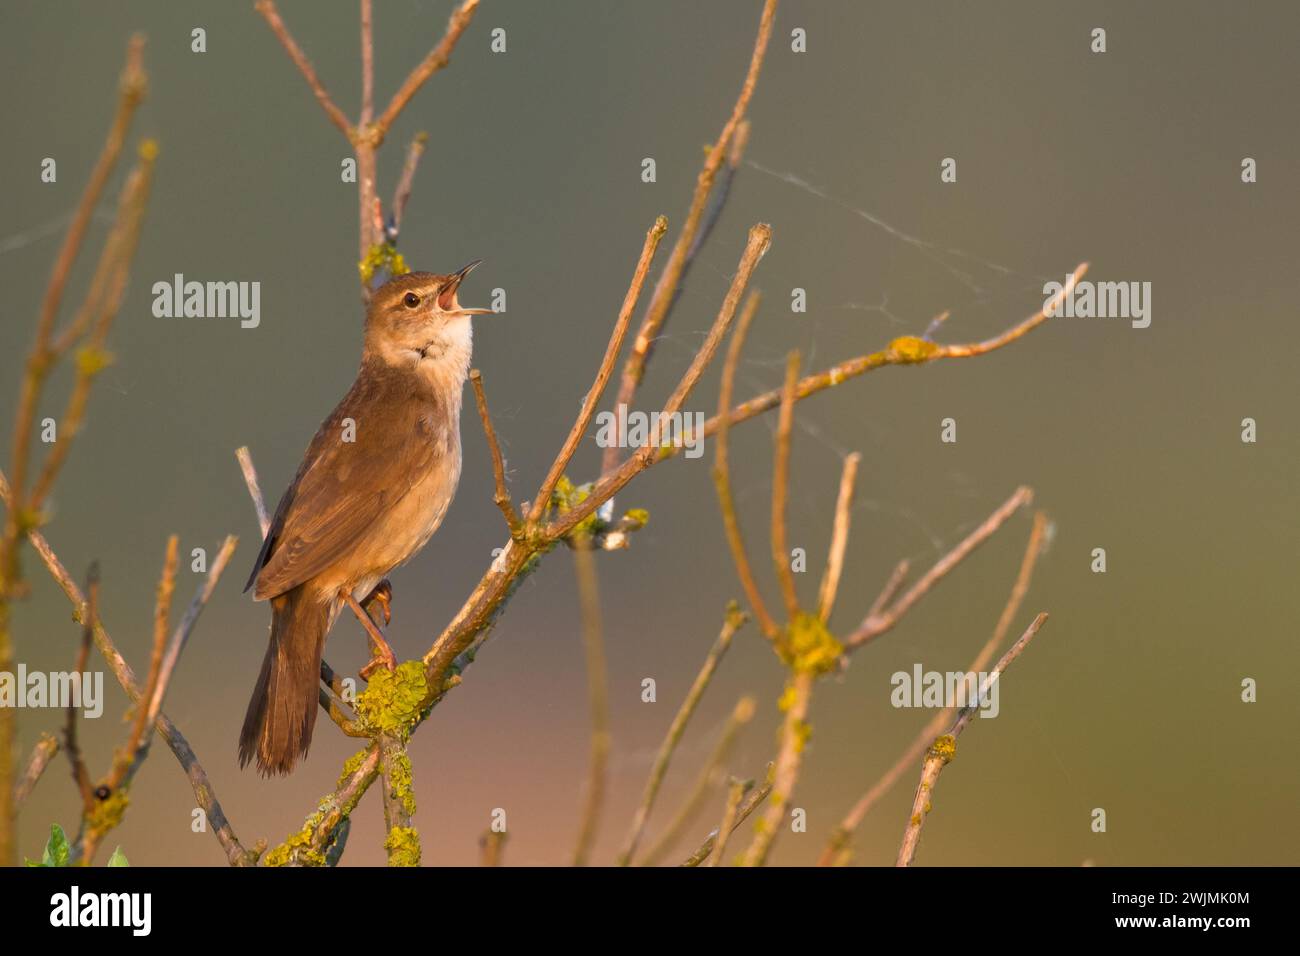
{"points": [[341, 489]]}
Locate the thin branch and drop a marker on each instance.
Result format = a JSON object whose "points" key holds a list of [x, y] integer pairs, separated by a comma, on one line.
{"points": [[479, 612], [45, 750], [944, 749], [747, 806], [735, 793], [367, 66], [397, 786], [180, 637], [407, 181], [162, 610], [896, 579], [254, 489], [906, 350], [781, 488], [837, 852], [272, 16], [741, 715], [735, 619], [839, 539], [878, 624], [579, 429], [666, 288], [80, 773], [131, 91], [119, 250], [202, 787], [789, 758], [588, 589], [329, 823], [760, 238], [437, 58], [722, 473], [502, 497]]}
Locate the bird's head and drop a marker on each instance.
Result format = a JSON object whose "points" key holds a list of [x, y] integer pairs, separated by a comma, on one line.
{"points": [[416, 321]]}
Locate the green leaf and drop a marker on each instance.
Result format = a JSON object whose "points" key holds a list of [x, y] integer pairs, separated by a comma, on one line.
{"points": [[56, 848], [118, 858]]}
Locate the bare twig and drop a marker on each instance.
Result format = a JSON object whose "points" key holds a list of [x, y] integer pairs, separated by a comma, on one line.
{"points": [[407, 180], [254, 490], [747, 806], [666, 288], [367, 65], [944, 749], [202, 787], [80, 774], [162, 611], [735, 619], [906, 350], [781, 488], [878, 624], [180, 637], [722, 473], [502, 497], [837, 852], [479, 612], [579, 429], [436, 59], [131, 92], [103, 304], [691, 807], [839, 539], [735, 793], [789, 758], [760, 238], [593, 642], [45, 750], [896, 579], [272, 16]]}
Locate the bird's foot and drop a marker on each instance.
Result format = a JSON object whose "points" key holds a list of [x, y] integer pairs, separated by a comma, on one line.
{"points": [[384, 657], [383, 596], [382, 654]]}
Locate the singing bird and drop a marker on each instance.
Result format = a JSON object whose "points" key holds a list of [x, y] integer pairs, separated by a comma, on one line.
{"points": [[372, 489]]}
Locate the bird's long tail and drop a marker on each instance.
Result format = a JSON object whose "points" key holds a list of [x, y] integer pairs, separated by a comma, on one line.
{"points": [[281, 715]]}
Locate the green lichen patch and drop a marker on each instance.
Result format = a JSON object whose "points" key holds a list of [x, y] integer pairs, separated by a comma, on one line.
{"points": [[351, 764], [910, 350], [107, 813], [401, 782], [807, 646], [383, 256], [568, 496], [393, 700], [944, 747], [403, 846]]}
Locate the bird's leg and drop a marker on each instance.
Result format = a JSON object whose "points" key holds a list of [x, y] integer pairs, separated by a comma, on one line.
{"points": [[383, 654], [383, 596]]}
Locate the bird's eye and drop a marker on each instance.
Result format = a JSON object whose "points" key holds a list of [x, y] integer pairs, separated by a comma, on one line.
{"points": [[411, 300]]}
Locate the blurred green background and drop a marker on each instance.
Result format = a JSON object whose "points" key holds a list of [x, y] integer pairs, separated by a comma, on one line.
{"points": [[1130, 698]]}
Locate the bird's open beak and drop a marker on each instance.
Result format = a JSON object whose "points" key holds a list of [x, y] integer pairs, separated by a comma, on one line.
{"points": [[447, 297]]}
